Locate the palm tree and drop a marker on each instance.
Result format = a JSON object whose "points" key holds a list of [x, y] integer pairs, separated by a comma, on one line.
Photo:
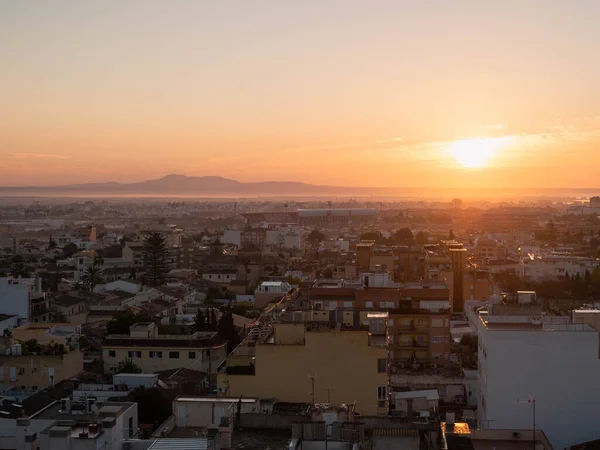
{"points": [[92, 277]]}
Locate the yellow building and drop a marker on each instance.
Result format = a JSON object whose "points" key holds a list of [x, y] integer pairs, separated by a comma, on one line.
{"points": [[292, 364], [153, 352], [48, 333], [49, 366]]}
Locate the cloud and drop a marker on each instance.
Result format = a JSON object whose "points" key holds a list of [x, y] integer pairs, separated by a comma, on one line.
{"points": [[495, 126], [36, 156]]}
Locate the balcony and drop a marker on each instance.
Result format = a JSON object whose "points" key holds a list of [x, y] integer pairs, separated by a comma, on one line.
{"points": [[414, 344], [39, 299]]}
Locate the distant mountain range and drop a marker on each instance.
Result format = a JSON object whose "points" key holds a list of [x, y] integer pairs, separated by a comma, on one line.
{"points": [[173, 185], [212, 187]]}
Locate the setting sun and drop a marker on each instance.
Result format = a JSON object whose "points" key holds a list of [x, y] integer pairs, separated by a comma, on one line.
{"points": [[475, 153]]}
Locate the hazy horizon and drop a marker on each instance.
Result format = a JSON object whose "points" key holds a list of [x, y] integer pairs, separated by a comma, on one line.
{"points": [[470, 95]]}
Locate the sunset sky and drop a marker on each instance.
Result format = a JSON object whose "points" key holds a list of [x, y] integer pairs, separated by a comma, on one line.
{"points": [[344, 92]]}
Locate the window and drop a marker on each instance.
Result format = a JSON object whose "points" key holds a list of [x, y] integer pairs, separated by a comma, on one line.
{"points": [[318, 305], [368, 304], [1, 373], [173, 355], [390, 322], [386, 304], [112, 354], [332, 305], [381, 393], [130, 426], [21, 371], [13, 374], [192, 355], [155, 355], [420, 321], [437, 339], [134, 354], [436, 356], [382, 365], [437, 323], [347, 304]]}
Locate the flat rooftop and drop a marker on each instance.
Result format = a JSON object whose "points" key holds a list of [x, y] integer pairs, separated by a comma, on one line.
{"points": [[54, 412]]}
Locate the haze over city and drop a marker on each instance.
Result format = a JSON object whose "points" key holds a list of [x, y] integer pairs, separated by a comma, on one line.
{"points": [[299, 224], [464, 94]]}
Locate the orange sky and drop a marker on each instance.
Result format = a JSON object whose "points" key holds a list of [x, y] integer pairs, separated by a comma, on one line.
{"points": [[323, 91]]}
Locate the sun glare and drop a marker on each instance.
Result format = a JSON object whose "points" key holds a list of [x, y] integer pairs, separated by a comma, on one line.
{"points": [[475, 153]]}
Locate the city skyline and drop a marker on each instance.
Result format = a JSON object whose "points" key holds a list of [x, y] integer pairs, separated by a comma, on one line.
{"points": [[392, 94]]}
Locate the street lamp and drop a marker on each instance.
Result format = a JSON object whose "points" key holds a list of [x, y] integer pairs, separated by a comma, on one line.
{"points": [[531, 400]]}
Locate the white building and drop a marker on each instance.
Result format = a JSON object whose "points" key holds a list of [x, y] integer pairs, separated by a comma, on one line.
{"points": [[17, 296], [523, 352], [273, 287], [558, 266], [284, 239]]}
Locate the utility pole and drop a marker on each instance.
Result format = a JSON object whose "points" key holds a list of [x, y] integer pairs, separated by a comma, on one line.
{"points": [[531, 400]]}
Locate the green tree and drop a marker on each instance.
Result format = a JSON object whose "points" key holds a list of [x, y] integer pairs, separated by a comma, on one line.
{"points": [[92, 277], [18, 267], [200, 321], [69, 250], [328, 272], [99, 257], [227, 331], [156, 256], [314, 238], [51, 244], [120, 324], [128, 366], [213, 320], [404, 236], [421, 238]]}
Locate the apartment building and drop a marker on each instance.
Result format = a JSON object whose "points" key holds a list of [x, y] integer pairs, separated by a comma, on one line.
{"points": [[23, 297], [153, 352], [37, 368], [448, 263], [334, 217], [409, 263], [293, 362], [420, 336], [418, 314], [77, 424], [527, 354], [133, 252], [490, 249]]}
